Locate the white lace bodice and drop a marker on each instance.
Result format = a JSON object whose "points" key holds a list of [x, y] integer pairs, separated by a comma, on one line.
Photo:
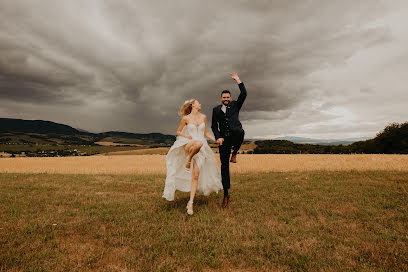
{"points": [[197, 132]]}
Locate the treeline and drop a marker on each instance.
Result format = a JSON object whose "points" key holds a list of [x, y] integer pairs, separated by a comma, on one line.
{"points": [[393, 139]]}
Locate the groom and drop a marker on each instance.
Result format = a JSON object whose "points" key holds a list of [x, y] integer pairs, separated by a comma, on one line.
{"points": [[228, 131]]}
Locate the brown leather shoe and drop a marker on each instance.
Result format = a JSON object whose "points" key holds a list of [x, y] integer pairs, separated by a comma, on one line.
{"points": [[225, 201], [233, 158]]}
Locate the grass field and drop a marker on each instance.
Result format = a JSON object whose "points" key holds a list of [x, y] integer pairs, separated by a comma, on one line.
{"points": [[300, 221], [156, 164]]}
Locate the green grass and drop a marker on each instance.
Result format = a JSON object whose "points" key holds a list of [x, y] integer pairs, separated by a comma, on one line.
{"points": [[300, 221]]}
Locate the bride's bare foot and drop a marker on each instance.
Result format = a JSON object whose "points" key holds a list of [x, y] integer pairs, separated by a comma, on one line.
{"points": [[189, 207]]}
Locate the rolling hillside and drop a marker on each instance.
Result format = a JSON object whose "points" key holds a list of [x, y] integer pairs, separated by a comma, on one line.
{"points": [[18, 131]]}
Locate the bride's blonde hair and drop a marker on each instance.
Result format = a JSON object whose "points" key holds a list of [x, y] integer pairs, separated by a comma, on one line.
{"points": [[187, 107]]}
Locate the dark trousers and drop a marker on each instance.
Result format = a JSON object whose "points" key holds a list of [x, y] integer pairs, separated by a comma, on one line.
{"points": [[230, 142], [238, 139]]}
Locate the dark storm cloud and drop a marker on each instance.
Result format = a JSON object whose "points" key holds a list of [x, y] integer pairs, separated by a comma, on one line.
{"points": [[135, 62]]}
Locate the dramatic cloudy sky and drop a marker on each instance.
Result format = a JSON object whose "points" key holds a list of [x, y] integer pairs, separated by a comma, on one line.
{"points": [[315, 68]]}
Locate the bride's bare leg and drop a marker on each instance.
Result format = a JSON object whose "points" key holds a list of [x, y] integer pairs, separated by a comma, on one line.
{"points": [[194, 184], [191, 149], [188, 148]]}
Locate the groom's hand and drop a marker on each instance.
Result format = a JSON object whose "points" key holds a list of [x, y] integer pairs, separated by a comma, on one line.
{"points": [[235, 77], [220, 141]]}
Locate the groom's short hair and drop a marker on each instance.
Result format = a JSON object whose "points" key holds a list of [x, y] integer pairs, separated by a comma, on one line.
{"points": [[225, 91]]}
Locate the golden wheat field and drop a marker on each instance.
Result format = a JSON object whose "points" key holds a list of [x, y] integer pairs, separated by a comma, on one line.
{"points": [[144, 164]]}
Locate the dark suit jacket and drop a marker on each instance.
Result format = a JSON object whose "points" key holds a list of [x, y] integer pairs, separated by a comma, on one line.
{"points": [[222, 122]]}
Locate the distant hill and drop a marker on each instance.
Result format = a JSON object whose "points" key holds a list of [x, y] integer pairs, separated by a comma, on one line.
{"points": [[16, 126], [159, 136], [302, 140], [393, 139], [82, 130], [47, 132]]}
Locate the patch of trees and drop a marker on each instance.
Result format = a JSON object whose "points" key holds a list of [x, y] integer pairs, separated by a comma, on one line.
{"points": [[393, 139]]}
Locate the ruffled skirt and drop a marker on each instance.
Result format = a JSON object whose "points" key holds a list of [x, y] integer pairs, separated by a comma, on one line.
{"points": [[178, 178]]}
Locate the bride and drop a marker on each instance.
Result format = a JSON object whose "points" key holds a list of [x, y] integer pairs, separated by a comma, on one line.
{"points": [[190, 162]]}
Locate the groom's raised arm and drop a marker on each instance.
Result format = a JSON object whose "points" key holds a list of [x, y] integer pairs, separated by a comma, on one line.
{"points": [[243, 92], [214, 126], [242, 95]]}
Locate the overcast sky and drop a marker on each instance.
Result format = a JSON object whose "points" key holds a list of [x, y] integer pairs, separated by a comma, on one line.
{"points": [[321, 69]]}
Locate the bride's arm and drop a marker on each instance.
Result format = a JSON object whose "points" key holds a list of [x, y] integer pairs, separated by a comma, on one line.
{"points": [[206, 133], [183, 122]]}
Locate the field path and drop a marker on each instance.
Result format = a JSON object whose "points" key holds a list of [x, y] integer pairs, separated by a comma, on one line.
{"points": [[140, 164]]}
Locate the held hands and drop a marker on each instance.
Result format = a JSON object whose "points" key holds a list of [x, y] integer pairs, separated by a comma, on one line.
{"points": [[235, 77], [212, 138], [220, 141]]}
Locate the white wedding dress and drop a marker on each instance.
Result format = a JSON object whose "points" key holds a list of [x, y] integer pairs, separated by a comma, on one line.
{"points": [[178, 178]]}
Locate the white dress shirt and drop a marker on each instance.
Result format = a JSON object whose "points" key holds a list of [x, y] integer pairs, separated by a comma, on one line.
{"points": [[223, 108]]}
